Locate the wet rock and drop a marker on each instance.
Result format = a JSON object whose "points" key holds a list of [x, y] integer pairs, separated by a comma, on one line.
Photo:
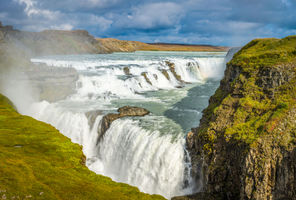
{"points": [[126, 71], [172, 69], [144, 74], [165, 73], [126, 111], [190, 140], [198, 196]]}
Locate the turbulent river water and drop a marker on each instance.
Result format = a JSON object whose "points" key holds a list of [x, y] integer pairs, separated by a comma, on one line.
{"points": [[147, 152]]}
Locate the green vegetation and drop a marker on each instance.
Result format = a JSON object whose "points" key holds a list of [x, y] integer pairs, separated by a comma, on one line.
{"points": [[37, 162], [266, 52], [259, 99]]}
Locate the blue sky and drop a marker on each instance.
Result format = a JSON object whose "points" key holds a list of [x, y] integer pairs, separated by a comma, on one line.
{"points": [[216, 22]]}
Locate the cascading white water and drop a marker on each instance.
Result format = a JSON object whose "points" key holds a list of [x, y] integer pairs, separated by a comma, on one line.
{"points": [[72, 124], [142, 158], [199, 69], [127, 153], [154, 160], [190, 70]]}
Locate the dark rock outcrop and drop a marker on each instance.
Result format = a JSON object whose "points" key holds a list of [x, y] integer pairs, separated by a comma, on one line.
{"points": [[126, 111], [172, 69], [144, 74], [126, 71], [165, 73], [244, 147]]}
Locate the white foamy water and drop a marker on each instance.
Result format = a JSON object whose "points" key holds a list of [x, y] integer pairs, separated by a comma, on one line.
{"points": [[147, 152]]}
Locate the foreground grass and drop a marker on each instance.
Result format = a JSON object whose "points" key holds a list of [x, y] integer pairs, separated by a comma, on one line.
{"points": [[37, 162]]}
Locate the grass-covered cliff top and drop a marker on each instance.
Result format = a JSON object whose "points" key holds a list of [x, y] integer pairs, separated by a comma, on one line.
{"points": [[266, 52], [38, 162], [257, 97]]}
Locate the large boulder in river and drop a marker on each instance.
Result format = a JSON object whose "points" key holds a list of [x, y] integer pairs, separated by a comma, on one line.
{"points": [[126, 111]]}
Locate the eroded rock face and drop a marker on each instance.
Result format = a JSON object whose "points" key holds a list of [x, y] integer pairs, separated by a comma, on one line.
{"points": [[126, 111], [245, 144]]}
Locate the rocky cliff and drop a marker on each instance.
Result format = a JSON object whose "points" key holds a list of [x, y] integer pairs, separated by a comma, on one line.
{"points": [[245, 145]]}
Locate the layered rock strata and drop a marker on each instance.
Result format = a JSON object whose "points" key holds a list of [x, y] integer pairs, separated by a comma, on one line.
{"points": [[244, 147]]}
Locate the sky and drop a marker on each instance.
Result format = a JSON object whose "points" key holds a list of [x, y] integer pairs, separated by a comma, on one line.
{"points": [[214, 22]]}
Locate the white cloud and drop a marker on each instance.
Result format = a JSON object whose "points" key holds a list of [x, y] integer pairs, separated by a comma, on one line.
{"points": [[149, 16], [32, 10], [99, 21]]}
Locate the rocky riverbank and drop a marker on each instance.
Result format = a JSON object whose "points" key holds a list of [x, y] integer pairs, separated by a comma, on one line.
{"points": [[244, 147]]}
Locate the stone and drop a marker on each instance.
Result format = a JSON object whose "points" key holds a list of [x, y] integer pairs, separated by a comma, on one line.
{"points": [[172, 69], [126, 111], [144, 74], [126, 71]]}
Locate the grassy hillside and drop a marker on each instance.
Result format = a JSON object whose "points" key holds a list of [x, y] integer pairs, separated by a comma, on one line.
{"points": [[38, 162]]}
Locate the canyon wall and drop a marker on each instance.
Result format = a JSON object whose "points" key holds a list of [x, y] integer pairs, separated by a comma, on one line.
{"points": [[245, 145]]}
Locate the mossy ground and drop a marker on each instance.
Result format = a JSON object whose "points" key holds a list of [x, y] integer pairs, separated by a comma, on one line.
{"points": [[252, 113], [37, 162], [266, 52]]}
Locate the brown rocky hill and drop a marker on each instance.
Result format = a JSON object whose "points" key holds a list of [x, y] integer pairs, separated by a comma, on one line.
{"points": [[115, 45]]}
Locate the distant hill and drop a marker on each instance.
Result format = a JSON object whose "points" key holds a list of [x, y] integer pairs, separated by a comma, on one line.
{"points": [[115, 45]]}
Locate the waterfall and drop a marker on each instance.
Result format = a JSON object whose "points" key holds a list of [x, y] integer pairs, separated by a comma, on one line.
{"points": [[127, 153], [153, 163], [154, 160]]}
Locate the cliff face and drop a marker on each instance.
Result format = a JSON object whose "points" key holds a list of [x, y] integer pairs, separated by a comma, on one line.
{"points": [[245, 146]]}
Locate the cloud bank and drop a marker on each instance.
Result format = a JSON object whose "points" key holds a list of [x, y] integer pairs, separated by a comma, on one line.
{"points": [[216, 22]]}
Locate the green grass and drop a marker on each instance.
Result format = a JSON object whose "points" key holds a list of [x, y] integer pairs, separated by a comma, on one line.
{"points": [[38, 162], [266, 52], [253, 114]]}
